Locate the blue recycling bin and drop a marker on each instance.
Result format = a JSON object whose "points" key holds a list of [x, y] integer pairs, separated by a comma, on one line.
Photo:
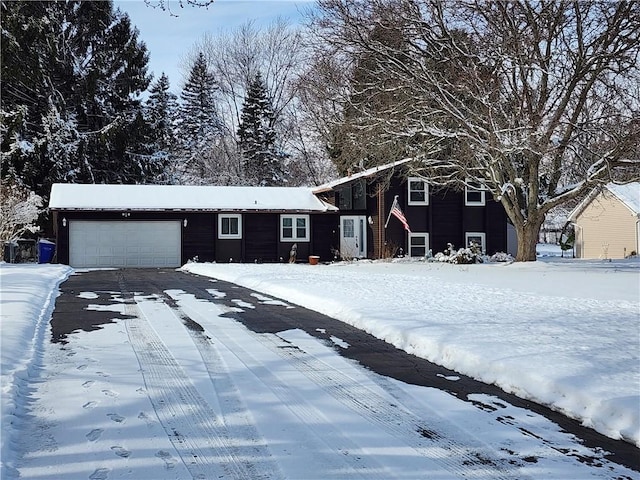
{"points": [[46, 249]]}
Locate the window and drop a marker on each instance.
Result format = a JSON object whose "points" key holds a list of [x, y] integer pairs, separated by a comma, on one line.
{"points": [[418, 191], [348, 230], [353, 196], [294, 228], [229, 226], [359, 195], [418, 244], [345, 200], [478, 238], [473, 194]]}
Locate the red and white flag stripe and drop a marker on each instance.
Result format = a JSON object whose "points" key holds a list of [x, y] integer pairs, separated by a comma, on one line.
{"points": [[397, 212]]}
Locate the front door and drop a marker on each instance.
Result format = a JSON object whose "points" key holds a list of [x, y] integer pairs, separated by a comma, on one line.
{"points": [[353, 236]]}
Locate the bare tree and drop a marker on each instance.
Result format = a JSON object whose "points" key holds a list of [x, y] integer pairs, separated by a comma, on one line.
{"points": [[278, 53], [537, 101], [167, 6]]}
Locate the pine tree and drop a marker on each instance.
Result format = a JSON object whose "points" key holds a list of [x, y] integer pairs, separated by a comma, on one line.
{"points": [[199, 126], [160, 110], [72, 72], [263, 163]]}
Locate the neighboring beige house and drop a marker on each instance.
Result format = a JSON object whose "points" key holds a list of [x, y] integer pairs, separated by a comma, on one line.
{"points": [[607, 222]]}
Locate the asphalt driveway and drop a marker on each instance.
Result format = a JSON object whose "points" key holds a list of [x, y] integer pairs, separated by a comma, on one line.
{"points": [[269, 317]]}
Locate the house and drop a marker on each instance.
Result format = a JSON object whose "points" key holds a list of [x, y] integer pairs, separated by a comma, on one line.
{"points": [[435, 217], [607, 222], [167, 225]]}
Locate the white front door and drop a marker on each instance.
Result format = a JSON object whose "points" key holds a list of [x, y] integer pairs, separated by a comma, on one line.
{"points": [[353, 236]]}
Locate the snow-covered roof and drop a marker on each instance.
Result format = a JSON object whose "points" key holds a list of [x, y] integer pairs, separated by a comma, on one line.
{"points": [[628, 194], [184, 197], [364, 174]]}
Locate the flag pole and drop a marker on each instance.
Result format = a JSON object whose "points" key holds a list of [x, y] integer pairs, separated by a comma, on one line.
{"points": [[395, 200]]}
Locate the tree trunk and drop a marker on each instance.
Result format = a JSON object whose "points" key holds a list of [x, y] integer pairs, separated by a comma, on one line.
{"points": [[527, 241]]}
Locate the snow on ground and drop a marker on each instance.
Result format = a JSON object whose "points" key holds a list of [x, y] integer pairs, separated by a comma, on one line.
{"points": [[562, 332], [28, 296]]}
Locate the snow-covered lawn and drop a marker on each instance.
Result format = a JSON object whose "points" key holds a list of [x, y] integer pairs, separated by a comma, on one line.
{"points": [[560, 331]]}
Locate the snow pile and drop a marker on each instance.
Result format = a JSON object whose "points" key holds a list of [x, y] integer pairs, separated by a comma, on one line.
{"points": [[561, 332], [28, 295]]}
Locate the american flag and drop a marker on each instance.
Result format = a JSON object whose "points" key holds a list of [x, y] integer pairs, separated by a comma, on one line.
{"points": [[396, 212]]}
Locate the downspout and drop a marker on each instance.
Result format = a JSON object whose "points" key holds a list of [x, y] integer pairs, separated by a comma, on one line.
{"points": [[578, 235], [638, 235], [380, 218]]}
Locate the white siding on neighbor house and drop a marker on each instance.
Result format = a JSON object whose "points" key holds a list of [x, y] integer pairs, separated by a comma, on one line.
{"points": [[122, 244], [606, 228]]}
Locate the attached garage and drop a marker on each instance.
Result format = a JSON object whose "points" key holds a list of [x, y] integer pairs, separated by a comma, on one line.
{"points": [[124, 243], [166, 226]]}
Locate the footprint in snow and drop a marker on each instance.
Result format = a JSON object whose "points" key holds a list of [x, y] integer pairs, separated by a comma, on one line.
{"points": [[88, 383], [121, 451], [99, 474], [82, 367], [89, 404], [94, 434], [115, 417], [169, 461], [103, 374], [147, 419], [110, 393]]}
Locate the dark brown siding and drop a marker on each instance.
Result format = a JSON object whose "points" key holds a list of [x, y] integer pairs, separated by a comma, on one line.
{"points": [[302, 252], [229, 250], [198, 237], [324, 236], [260, 237], [446, 220], [473, 219], [496, 227], [395, 234]]}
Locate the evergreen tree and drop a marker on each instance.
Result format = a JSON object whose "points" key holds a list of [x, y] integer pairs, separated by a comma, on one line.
{"points": [[161, 109], [71, 75], [263, 163], [199, 126], [160, 113]]}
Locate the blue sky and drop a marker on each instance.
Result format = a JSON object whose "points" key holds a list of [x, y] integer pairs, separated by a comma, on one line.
{"points": [[170, 38]]}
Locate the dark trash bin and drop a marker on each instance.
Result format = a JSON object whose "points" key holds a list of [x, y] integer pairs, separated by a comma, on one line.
{"points": [[46, 249], [10, 252]]}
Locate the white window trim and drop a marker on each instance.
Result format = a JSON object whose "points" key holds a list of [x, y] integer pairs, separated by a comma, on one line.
{"points": [[426, 243], [294, 238], [467, 189], [426, 191], [483, 239], [223, 236]]}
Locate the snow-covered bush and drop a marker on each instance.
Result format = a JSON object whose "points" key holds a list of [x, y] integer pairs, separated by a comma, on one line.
{"points": [[19, 211], [462, 256], [501, 257]]}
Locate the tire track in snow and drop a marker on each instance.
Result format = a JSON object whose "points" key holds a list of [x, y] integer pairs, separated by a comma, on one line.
{"points": [[195, 430], [332, 452], [469, 459], [238, 422]]}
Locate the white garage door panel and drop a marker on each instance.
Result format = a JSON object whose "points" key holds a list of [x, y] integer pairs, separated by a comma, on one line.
{"points": [[124, 243]]}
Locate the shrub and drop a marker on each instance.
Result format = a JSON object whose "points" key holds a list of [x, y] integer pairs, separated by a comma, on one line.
{"points": [[501, 257], [463, 256]]}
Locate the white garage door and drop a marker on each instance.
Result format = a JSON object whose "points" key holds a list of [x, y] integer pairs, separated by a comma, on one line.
{"points": [[124, 243]]}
